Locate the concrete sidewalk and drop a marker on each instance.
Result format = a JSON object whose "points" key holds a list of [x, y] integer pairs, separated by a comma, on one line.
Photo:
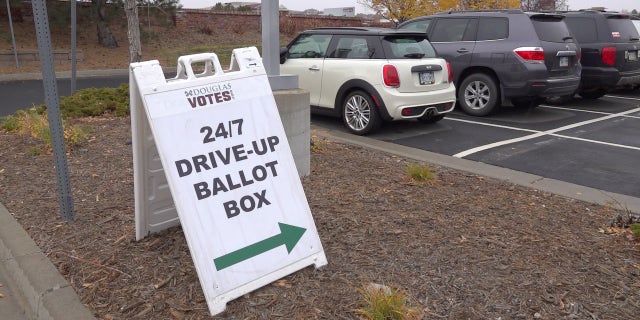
{"points": [[32, 286]]}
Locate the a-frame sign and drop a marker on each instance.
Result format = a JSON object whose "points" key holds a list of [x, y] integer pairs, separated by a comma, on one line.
{"points": [[229, 168]]}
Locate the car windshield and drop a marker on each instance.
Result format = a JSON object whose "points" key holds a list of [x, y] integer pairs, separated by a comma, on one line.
{"points": [[551, 28], [622, 29], [408, 47]]}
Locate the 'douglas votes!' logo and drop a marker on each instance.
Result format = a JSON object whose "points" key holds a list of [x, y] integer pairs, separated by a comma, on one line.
{"points": [[210, 94]]}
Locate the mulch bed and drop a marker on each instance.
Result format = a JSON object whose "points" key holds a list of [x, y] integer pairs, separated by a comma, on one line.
{"points": [[461, 247]]}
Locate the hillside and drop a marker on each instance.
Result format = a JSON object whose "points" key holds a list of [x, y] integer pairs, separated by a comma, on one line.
{"points": [[161, 42]]}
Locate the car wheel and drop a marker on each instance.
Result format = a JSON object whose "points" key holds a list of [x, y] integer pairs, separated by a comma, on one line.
{"points": [[526, 102], [478, 94], [431, 119], [359, 113], [593, 94]]}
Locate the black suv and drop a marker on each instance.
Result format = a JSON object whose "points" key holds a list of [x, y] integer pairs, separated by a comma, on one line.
{"points": [[503, 56], [610, 50]]}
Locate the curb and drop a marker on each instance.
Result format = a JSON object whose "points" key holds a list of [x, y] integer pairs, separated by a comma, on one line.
{"points": [[36, 283], [64, 74], [79, 74], [562, 188]]}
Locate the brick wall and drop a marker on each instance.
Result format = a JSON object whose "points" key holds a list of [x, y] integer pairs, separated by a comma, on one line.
{"points": [[197, 19]]}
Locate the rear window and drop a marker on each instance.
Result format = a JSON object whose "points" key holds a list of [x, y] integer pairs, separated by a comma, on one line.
{"points": [[622, 29], [583, 29], [407, 47], [552, 28]]}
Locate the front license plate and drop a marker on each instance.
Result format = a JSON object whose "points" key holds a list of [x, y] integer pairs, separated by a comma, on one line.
{"points": [[564, 61], [633, 55], [426, 77]]}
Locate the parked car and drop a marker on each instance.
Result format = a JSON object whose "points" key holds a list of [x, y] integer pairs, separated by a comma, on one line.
{"points": [[636, 23], [370, 75], [503, 56], [610, 50]]}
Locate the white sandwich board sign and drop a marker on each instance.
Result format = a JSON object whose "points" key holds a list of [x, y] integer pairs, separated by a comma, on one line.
{"points": [[230, 171]]}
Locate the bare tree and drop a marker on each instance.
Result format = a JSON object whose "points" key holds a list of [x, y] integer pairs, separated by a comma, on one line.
{"points": [[105, 36], [542, 5], [133, 30]]}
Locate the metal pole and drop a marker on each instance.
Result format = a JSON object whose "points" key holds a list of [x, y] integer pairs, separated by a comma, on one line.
{"points": [[13, 38], [270, 18], [53, 107], [270, 15], [73, 46]]}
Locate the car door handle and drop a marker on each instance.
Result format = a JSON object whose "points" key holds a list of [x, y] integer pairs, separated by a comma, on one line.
{"points": [[314, 68], [462, 50]]}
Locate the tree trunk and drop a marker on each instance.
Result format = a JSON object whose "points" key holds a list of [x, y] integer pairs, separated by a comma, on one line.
{"points": [[133, 31], [105, 36]]}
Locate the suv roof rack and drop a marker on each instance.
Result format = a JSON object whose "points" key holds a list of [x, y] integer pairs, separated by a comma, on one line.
{"points": [[581, 11], [482, 10], [342, 28]]}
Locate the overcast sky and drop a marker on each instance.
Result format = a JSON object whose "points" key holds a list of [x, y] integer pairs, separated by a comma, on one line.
{"points": [[614, 5]]}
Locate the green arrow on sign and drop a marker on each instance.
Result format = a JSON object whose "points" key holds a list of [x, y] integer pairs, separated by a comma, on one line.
{"points": [[289, 236]]}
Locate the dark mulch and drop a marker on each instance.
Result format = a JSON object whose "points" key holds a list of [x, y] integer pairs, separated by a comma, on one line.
{"points": [[462, 247]]}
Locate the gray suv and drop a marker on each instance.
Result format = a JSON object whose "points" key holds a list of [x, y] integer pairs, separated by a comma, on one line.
{"points": [[504, 56], [610, 46]]}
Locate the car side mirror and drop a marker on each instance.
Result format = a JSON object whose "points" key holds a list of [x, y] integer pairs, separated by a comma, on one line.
{"points": [[284, 51]]}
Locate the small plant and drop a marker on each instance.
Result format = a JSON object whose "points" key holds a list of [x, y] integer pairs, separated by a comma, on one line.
{"points": [[384, 303], [35, 124], [635, 229], [420, 173], [317, 145]]}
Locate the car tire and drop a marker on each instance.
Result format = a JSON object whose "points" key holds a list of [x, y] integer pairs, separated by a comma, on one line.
{"points": [[593, 94], [360, 114], [478, 94]]}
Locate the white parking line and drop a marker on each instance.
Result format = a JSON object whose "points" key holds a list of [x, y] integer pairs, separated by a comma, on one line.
{"points": [[621, 97], [537, 134], [585, 111], [573, 109]]}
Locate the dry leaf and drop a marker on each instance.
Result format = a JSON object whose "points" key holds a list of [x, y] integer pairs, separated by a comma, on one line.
{"points": [[283, 283], [176, 314]]}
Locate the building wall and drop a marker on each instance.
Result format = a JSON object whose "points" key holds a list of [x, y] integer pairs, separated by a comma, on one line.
{"points": [[344, 11]]}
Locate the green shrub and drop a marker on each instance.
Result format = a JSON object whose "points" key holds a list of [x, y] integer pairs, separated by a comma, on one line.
{"points": [[420, 173], [93, 102], [383, 303]]}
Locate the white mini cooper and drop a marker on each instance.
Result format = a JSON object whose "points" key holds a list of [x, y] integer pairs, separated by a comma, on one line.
{"points": [[367, 75]]}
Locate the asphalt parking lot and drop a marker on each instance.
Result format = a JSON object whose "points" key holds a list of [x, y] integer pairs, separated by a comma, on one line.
{"points": [[594, 143]]}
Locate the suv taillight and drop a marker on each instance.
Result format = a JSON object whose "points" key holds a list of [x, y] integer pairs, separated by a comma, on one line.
{"points": [[608, 55], [390, 76], [530, 54], [449, 72]]}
